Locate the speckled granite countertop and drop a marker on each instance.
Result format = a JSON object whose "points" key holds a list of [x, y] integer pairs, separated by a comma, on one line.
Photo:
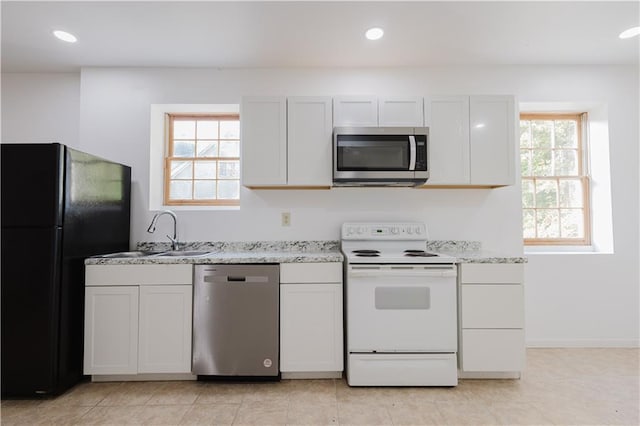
{"points": [[471, 252], [234, 252], [291, 252]]}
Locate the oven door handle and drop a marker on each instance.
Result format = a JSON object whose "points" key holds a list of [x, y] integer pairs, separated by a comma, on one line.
{"points": [[401, 273], [412, 153]]}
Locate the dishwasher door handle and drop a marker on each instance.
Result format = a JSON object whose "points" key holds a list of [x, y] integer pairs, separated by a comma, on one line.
{"points": [[223, 279]]}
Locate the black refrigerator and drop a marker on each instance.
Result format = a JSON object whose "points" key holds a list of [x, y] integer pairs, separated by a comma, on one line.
{"points": [[59, 206]]}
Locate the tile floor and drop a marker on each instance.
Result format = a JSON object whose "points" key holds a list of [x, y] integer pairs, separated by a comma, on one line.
{"points": [[559, 386]]}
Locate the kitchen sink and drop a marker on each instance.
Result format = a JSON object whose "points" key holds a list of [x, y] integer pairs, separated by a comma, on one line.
{"points": [[144, 253], [129, 254], [183, 253]]}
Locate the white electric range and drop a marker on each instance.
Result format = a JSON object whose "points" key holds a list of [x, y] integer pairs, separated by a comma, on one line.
{"points": [[401, 307]]}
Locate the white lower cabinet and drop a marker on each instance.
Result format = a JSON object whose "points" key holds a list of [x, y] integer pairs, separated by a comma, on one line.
{"points": [[491, 319], [111, 330], [311, 330], [493, 350], [138, 322], [164, 341]]}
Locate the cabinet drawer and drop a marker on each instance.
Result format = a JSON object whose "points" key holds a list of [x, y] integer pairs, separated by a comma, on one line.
{"points": [[296, 273], [497, 273], [492, 350], [492, 306], [110, 275]]}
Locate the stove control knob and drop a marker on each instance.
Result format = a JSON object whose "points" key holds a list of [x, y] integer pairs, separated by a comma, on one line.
{"points": [[409, 230], [394, 230], [418, 230], [361, 230], [349, 231]]}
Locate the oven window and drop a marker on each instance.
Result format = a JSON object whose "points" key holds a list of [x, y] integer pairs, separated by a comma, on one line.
{"points": [[402, 298], [362, 153]]}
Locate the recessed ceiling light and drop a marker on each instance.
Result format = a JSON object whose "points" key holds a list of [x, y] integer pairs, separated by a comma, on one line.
{"points": [[630, 32], [65, 36], [374, 33]]}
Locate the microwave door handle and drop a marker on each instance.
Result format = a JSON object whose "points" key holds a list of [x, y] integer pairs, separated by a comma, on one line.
{"points": [[412, 153]]}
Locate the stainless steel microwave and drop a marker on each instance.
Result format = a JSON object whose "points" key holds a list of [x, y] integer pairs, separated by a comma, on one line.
{"points": [[380, 156]]}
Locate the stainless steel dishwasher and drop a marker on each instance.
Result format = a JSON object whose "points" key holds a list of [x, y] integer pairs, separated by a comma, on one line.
{"points": [[236, 320]]}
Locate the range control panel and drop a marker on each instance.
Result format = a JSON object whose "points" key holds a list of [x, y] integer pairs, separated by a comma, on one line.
{"points": [[384, 231]]}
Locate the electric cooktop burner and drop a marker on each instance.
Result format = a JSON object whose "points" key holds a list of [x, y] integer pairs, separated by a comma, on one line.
{"points": [[418, 253], [366, 253]]}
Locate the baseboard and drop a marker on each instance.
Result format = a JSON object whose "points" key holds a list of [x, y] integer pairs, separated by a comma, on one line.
{"points": [[313, 375], [489, 375], [142, 377], [584, 343]]}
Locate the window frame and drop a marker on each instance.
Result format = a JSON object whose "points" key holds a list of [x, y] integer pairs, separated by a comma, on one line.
{"points": [[582, 176], [170, 117]]}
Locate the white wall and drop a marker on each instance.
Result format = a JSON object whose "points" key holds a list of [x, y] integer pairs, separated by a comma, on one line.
{"points": [[115, 110], [572, 299], [41, 108]]}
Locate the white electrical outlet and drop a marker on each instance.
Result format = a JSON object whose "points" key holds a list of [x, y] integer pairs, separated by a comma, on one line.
{"points": [[286, 219]]}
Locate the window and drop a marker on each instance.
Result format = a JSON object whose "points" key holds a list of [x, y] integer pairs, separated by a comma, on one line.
{"points": [[555, 184], [202, 164]]}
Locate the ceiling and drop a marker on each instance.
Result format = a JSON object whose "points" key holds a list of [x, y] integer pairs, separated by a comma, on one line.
{"points": [[245, 34]]}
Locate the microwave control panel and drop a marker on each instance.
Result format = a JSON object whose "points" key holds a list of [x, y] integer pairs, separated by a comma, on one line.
{"points": [[421, 153]]}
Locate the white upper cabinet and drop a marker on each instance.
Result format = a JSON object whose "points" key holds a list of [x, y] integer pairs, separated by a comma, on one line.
{"points": [[264, 141], [472, 140], [400, 112], [287, 142], [309, 125], [355, 111], [392, 111], [493, 138], [448, 120]]}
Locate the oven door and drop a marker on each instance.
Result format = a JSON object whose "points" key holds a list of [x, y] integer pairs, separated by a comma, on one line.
{"points": [[401, 308]]}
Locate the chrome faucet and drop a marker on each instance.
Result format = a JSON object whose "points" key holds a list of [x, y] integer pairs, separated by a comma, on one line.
{"points": [[152, 227]]}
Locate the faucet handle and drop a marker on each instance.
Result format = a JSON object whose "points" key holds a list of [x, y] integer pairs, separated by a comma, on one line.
{"points": [[174, 242]]}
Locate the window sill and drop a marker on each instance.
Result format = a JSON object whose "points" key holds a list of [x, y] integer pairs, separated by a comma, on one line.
{"points": [[199, 208], [560, 250]]}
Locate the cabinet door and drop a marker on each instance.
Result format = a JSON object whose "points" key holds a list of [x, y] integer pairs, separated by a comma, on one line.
{"points": [[309, 125], [492, 350], [311, 327], [448, 120], [264, 141], [492, 306], [111, 330], [355, 111], [165, 329], [396, 111], [492, 140]]}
